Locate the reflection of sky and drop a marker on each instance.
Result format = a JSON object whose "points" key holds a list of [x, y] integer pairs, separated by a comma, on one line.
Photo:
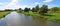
{"points": [[3, 22]]}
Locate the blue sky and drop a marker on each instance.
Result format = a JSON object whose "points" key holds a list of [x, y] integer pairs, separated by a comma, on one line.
{"points": [[15, 4]]}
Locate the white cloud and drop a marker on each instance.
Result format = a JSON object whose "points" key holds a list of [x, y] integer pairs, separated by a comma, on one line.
{"points": [[1, 3], [36, 3], [13, 4], [48, 1]]}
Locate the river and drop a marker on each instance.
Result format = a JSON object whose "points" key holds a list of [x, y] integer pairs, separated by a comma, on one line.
{"points": [[16, 19]]}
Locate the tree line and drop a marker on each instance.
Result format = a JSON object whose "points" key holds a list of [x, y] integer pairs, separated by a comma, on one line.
{"points": [[42, 10]]}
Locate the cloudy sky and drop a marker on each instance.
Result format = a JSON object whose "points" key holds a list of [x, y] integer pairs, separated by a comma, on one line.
{"points": [[15, 4]]}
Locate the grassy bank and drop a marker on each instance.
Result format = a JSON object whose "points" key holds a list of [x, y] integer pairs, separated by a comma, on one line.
{"points": [[54, 16], [31, 13], [4, 13]]}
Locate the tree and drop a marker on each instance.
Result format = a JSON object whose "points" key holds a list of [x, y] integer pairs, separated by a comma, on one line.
{"points": [[37, 8], [8, 9], [20, 10], [27, 9], [55, 9], [44, 9], [33, 9]]}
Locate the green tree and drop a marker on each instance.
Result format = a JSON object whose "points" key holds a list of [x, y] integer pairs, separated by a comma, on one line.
{"points": [[37, 8], [33, 9], [27, 9], [44, 9], [55, 9], [20, 10]]}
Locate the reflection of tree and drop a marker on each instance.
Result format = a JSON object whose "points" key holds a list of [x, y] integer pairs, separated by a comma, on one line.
{"points": [[33, 18], [41, 21]]}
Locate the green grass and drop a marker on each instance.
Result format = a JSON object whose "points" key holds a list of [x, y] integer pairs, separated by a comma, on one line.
{"points": [[3, 14], [51, 16], [56, 17], [32, 13]]}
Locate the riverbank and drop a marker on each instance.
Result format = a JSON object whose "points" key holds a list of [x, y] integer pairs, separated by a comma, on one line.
{"points": [[55, 17], [50, 16], [4, 13], [31, 13]]}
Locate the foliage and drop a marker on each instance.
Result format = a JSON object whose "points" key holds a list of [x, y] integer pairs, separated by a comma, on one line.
{"points": [[37, 8], [55, 9], [44, 9], [20, 10], [50, 14], [8, 9], [3, 14], [26, 9], [33, 9]]}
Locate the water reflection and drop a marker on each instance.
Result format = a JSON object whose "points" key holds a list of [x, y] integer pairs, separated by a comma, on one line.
{"points": [[16, 19], [3, 22], [41, 21]]}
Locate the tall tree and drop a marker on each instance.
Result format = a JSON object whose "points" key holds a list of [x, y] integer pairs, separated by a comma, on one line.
{"points": [[33, 9], [20, 10], [27, 9], [37, 8], [44, 9]]}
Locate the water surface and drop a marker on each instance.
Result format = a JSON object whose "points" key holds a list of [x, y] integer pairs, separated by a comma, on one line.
{"points": [[16, 19]]}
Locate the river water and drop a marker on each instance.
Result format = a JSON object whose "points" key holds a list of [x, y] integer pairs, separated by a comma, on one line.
{"points": [[16, 19]]}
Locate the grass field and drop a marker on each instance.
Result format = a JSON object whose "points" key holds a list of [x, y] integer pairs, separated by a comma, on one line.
{"points": [[3, 14]]}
